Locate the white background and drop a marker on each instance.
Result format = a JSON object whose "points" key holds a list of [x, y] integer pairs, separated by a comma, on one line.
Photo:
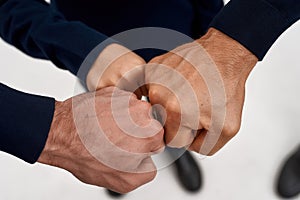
{"points": [[245, 169]]}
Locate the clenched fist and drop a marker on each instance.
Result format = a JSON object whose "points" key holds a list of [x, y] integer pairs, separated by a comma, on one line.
{"points": [[117, 66], [201, 85], [105, 138]]}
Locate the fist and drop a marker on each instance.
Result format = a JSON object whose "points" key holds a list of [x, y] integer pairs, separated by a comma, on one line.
{"points": [[117, 66], [105, 138], [201, 86]]}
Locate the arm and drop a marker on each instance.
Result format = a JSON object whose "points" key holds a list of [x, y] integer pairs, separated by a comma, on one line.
{"points": [[82, 136], [36, 29], [25, 122], [240, 35], [257, 24], [39, 31]]}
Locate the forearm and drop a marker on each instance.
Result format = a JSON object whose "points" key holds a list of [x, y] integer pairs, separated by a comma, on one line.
{"points": [[25, 122], [257, 24], [38, 30]]}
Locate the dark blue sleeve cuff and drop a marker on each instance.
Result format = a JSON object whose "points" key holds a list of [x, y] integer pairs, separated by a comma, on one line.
{"points": [[256, 24], [24, 123]]}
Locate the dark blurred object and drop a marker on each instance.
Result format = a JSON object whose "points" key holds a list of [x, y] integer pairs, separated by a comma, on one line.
{"points": [[288, 185], [114, 194], [188, 170]]}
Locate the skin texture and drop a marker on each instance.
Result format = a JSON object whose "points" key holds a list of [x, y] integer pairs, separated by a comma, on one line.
{"points": [[233, 63], [94, 156], [86, 140], [195, 120], [117, 66]]}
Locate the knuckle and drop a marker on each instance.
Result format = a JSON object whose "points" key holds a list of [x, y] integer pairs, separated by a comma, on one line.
{"points": [[139, 61], [134, 183], [124, 190], [230, 129], [154, 94], [173, 105], [150, 177], [144, 106], [160, 148], [130, 188], [159, 142], [147, 177], [157, 59], [157, 136]]}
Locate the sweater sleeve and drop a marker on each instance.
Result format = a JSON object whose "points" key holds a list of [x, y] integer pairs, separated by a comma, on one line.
{"points": [[40, 31], [25, 122], [257, 24]]}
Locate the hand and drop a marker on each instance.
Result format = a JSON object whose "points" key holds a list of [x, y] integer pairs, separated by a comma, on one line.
{"points": [[117, 66], [105, 138], [206, 117]]}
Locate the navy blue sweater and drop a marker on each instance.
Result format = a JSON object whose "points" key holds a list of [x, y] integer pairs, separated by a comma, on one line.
{"points": [[67, 30]]}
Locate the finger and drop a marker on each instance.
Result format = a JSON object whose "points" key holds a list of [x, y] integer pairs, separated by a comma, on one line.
{"points": [[133, 80], [207, 143], [182, 138], [158, 144], [148, 128], [147, 168], [176, 133], [142, 120], [145, 173]]}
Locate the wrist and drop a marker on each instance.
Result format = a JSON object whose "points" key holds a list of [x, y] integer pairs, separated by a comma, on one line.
{"points": [[57, 142], [232, 59]]}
